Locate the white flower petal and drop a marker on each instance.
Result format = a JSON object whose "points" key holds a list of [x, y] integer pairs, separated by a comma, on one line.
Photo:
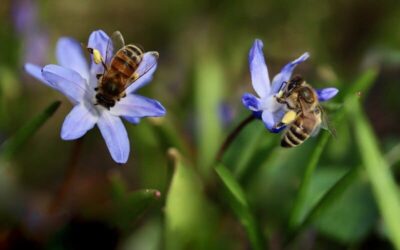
{"points": [[98, 40], [36, 71], [286, 73], [138, 106], [146, 69], [67, 81], [115, 135], [70, 55], [258, 69], [81, 119]]}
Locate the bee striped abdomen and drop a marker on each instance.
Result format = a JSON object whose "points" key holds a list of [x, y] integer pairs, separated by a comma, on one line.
{"points": [[127, 60], [294, 135]]}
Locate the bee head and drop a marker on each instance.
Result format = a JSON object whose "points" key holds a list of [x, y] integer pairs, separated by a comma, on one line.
{"points": [[296, 81], [104, 101]]}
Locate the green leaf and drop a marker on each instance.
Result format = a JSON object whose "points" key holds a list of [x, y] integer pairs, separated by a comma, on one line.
{"points": [[378, 171], [11, 146], [129, 206], [189, 217], [208, 90], [362, 84], [354, 208], [329, 197], [240, 206], [117, 187], [298, 213]]}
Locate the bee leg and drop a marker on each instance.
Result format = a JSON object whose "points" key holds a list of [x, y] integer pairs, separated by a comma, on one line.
{"points": [[124, 96], [98, 76], [97, 88], [279, 125], [287, 118]]}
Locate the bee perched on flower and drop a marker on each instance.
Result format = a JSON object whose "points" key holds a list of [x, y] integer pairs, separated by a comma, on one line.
{"points": [[270, 106], [81, 84]]}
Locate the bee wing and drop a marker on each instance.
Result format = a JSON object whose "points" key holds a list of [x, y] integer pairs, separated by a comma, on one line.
{"points": [[148, 63], [325, 124], [115, 43]]}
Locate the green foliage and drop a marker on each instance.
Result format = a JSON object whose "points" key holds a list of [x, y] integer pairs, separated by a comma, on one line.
{"points": [[380, 176], [10, 147], [189, 218], [128, 207], [359, 220], [240, 206], [338, 193], [208, 94]]}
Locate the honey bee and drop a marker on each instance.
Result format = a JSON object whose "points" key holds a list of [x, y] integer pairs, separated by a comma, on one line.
{"points": [[122, 70], [305, 115]]}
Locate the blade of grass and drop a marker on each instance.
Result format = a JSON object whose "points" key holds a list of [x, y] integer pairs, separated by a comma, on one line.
{"points": [[208, 93], [382, 181], [189, 216], [362, 84], [240, 207], [326, 200], [297, 211], [11, 146], [132, 206], [338, 189]]}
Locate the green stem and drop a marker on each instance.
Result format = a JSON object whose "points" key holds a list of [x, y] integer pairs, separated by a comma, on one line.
{"points": [[231, 137], [300, 200]]}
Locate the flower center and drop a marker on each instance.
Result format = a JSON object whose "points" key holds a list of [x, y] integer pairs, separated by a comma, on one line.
{"points": [[271, 104]]}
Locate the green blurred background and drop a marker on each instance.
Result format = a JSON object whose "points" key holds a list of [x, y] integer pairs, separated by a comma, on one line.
{"points": [[201, 75]]}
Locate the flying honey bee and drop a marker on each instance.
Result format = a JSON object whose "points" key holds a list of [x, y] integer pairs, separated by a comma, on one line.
{"points": [[305, 115], [120, 70]]}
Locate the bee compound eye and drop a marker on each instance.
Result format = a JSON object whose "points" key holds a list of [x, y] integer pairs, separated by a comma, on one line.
{"points": [[307, 96]]}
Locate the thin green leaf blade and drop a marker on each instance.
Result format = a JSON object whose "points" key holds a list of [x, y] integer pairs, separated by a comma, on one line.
{"points": [[382, 181], [298, 214], [11, 146], [189, 217], [208, 90], [240, 206], [128, 209]]}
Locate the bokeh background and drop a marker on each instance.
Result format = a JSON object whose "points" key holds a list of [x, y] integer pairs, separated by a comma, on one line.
{"points": [[57, 194]]}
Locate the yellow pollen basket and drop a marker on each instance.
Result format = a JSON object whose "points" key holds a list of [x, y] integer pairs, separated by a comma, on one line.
{"points": [[97, 58], [289, 117]]}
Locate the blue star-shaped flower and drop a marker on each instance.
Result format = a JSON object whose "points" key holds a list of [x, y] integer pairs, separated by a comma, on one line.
{"points": [[76, 80], [265, 106]]}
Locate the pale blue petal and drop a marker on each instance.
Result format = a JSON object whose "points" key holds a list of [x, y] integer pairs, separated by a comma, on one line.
{"points": [[268, 119], [133, 120], [286, 73], [70, 55], [36, 72], [138, 106], [146, 69], [67, 81], [258, 69], [271, 119], [114, 133], [98, 40], [251, 102], [81, 119], [326, 94]]}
